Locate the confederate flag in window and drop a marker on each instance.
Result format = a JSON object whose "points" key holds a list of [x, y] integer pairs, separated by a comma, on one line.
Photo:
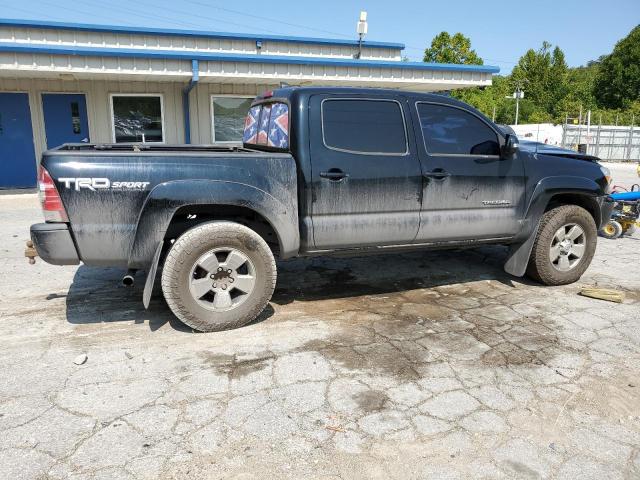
{"points": [[267, 125], [250, 134], [279, 126]]}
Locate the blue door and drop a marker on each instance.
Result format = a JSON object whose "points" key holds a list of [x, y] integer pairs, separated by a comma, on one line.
{"points": [[17, 155], [65, 118]]}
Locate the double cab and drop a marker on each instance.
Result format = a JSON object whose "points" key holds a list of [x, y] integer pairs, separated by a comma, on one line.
{"points": [[320, 171]]}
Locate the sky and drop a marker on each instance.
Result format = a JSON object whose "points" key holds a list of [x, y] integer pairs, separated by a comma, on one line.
{"points": [[500, 31]]}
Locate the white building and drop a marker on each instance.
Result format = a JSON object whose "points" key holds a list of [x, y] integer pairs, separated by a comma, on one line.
{"points": [[63, 82]]}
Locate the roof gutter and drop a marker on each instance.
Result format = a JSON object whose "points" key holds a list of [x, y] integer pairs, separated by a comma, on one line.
{"points": [[195, 76]]}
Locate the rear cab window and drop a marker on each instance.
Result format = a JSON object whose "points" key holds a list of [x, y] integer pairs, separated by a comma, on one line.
{"points": [[364, 126], [267, 125], [448, 130]]}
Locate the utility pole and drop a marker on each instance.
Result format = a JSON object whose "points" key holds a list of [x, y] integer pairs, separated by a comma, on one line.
{"points": [[493, 117]]}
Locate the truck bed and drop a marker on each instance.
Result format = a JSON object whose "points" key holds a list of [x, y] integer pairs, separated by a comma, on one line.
{"points": [[109, 189]]}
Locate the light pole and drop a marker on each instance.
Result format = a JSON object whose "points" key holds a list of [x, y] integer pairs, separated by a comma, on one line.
{"points": [[518, 94]]}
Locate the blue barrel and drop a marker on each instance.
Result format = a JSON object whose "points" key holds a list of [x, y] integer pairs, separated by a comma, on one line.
{"points": [[628, 196]]}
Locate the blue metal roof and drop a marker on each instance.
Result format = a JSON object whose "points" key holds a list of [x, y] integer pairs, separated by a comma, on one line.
{"points": [[230, 57], [190, 33]]}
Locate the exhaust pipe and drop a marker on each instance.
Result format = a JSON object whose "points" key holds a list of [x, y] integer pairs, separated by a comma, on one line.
{"points": [[129, 279]]}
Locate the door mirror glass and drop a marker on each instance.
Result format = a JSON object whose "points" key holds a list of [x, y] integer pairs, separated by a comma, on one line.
{"points": [[511, 146]]}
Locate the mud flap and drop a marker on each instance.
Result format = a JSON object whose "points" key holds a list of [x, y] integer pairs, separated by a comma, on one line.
{"points": [[519, 253], [151, 276]]}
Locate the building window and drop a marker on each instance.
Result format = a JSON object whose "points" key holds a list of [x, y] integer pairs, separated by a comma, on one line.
{"points": [[228, 114], [364, 126], [137, 118]]}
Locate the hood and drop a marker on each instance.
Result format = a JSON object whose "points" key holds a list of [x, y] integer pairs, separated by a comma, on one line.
{"points": [[554, 150]]}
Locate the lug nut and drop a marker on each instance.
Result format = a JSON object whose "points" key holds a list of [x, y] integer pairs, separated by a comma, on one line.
{"points": [[224, 287], [229, 270]]}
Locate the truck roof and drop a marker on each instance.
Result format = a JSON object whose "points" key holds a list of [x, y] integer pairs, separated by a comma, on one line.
{"points": [[290, 92]]}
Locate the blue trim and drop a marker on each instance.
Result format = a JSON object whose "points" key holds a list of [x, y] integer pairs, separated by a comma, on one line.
{"points": [[189, 33], [186, 109], [229, 57]]}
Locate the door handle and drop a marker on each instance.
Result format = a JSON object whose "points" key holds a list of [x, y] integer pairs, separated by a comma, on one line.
{"points": [[334, 174], [437, 174]]}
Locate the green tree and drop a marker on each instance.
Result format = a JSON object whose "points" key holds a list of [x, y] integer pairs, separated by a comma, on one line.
{"points": [[446, 48], [618, 82]]}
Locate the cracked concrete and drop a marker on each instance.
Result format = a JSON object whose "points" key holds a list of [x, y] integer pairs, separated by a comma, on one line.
{"points": [[420, 365]]}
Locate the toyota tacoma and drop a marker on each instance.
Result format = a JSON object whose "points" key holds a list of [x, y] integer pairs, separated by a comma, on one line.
{"points": [[320, 171]]}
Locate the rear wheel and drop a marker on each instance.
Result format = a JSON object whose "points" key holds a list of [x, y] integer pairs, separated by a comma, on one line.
{"points": [[630, 229], [564, 246], [218, 275]]}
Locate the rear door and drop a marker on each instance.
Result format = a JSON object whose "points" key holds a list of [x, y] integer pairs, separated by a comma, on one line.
{"points": [[366, 176], [470, 191], [65, 118]]}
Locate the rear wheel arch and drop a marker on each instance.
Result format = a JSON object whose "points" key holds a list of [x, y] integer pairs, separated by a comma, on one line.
{"points": [[165, 200], [189, 216]]}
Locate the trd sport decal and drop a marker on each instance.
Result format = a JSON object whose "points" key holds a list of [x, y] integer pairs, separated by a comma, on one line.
{"points": [[101, 184]]}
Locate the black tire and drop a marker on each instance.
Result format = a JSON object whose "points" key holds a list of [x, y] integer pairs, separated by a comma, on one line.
{"points": [[611, 230], [540, 266], [190, 247]]}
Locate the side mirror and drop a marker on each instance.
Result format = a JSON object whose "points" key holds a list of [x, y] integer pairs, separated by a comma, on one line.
{"points": [[511, 146]]}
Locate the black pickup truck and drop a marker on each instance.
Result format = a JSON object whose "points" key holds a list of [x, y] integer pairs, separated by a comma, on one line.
{"points": [[321, 171]]}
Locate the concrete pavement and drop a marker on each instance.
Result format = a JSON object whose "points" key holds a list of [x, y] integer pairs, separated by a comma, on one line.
{"points": [[420, 365]]}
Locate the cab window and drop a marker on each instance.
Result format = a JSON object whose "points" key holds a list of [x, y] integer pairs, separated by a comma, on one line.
{"points": [[453, 131], [364, 126]]}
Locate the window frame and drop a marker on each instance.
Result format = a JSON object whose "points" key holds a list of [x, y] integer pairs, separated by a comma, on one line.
{"points": [[113, 123], [499, 136], [357, 152], [212, 116]]}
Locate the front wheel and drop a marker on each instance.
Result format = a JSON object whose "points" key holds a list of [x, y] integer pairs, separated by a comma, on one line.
{"points": [[564, 246], [218, 275]]}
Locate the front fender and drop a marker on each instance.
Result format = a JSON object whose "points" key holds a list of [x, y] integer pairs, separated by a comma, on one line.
{"points": [[166, 198], [548, 187], [544, 191]]}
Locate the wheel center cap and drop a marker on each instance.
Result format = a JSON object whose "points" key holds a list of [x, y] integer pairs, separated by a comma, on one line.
{"points": [[565, 246], [221, 275], [222, 278]]}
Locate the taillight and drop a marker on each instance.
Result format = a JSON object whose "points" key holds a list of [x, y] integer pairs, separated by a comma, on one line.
{"points": [[50, 199]]}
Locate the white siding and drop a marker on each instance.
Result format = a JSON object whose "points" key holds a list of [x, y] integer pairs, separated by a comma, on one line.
{"points": [[42, 36]]}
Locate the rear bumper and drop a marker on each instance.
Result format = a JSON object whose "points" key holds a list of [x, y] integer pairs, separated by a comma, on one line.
{"points": [[54, 244]]}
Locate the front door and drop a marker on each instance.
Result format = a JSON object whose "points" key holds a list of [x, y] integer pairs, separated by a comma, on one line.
{"points": [[17, 155], [471, 192], [65, 118], [366, 180]]}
